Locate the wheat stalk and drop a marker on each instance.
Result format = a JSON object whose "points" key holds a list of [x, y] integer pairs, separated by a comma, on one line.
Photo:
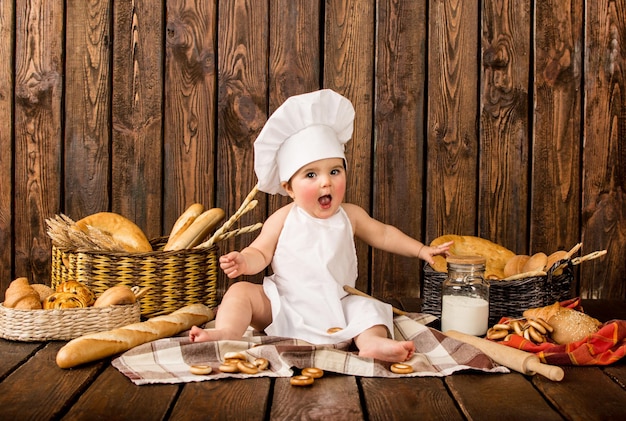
{"points": [[246, 206], [239, 231]]}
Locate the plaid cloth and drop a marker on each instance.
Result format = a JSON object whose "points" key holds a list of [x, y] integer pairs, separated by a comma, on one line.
{"points": [[604, 347], [168, 360]]}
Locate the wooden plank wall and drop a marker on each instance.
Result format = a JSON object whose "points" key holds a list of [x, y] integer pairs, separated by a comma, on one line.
{"points": [[501, 118]]}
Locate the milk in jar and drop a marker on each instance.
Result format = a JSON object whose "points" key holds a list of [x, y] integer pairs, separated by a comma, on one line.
{"points": [[465, 296]]}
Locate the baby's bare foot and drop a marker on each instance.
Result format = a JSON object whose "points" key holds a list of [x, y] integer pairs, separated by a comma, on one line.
{"points": [[389, 350]]}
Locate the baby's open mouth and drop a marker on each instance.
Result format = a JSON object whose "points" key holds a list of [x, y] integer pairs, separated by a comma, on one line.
{"points": [[325, 200]]}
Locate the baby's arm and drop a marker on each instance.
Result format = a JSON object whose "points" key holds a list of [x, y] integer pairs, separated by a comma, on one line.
{"points": [[258, 255], [389, 238]]}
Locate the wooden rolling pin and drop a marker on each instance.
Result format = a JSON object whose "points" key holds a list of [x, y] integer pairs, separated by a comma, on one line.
{"points": [[515, 359], [355, 291]]}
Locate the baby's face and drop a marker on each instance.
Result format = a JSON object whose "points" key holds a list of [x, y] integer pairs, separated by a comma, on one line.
{"points": [[319, 187]]}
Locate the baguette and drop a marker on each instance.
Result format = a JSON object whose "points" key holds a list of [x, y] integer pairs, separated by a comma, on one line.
{"points": [[183, 222], [200, 228], [96, 346]]}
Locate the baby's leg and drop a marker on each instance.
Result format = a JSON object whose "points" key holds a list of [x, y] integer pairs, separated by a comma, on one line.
{"points": [[374, 343], [244, 304]]}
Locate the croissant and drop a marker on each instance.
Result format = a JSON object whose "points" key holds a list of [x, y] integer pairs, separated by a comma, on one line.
{"points": [[77, 288], [21, 295], [63, 300]]}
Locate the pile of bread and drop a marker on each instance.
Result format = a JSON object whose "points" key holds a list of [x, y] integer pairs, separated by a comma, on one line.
{"points": [[22, 295], [554, 324], [109, 231], [502, 263]]}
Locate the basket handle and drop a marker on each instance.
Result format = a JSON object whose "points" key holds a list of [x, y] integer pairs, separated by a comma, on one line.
{"points": [[587, 257]]}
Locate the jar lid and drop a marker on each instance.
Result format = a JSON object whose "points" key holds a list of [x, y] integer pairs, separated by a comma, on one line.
{"points": [[466, 260]]}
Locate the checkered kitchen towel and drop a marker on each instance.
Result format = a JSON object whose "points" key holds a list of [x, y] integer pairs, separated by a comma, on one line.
{"points": [[168, 360]]}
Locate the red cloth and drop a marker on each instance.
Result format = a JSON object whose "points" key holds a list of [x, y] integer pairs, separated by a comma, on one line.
{"points": [[604, 347]]}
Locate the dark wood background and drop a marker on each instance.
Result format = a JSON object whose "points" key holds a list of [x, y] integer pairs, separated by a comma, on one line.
{"points": [[499, 118]]}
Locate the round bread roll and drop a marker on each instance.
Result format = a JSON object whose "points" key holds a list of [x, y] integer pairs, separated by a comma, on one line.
{"points": [[84, 293], [553, 258], [123, 231], [571, 326], [515, 265], [536, 262], [44, 291], [116, 295]]}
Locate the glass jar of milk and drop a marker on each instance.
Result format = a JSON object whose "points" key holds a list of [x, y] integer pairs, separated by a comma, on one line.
{"points": [[465, 296]]}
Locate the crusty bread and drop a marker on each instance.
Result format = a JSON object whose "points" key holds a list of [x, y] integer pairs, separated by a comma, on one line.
{"points": [[467, 245], [542, 312], [122, 230], [183, 222], [96, 346], [202, 226], [572, 326]]}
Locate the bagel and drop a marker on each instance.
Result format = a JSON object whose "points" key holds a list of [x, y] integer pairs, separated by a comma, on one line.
{"points": [[200, 370], [123, 231]]}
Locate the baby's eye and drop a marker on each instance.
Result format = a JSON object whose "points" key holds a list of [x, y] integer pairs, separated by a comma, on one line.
{"points": [[335, 171], [310, 174]]}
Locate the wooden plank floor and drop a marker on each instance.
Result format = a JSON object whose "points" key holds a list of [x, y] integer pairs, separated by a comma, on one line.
{"points": [[32, 387]]}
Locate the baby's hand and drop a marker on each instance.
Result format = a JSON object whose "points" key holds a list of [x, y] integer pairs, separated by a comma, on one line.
{"points": [[426, 253], [233, 264]]}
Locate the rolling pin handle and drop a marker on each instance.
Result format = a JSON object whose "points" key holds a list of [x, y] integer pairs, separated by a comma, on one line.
{"points": [[551, 372]]}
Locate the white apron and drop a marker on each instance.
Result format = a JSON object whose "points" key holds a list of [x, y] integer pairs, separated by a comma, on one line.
{"points": [[314, 259]]}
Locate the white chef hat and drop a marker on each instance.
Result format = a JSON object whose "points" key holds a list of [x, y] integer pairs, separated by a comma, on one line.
{"points": [[305, 128]]}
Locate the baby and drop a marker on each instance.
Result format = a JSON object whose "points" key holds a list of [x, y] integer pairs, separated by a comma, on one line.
{"points": [[310, 242]]}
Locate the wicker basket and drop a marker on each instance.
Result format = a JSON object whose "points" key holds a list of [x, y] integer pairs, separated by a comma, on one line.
{"points": [[63, 325], [506, 298], [175, 278]]}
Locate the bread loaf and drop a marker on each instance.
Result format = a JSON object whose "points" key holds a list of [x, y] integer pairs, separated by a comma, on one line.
{"points": [[116, 295], [96, 346], [183, 222], [467, 245], [198, 230], [123, 231]]}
